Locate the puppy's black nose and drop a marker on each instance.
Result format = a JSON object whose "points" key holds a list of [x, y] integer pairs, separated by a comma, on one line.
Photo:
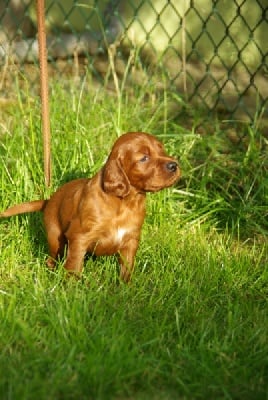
{"points": [[172, 166]]}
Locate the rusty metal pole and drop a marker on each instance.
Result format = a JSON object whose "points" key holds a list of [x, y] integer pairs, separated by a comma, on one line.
{"points": [[44, 89]]}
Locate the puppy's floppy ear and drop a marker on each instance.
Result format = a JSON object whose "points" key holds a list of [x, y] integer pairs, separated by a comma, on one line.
{"points": [[114, 179]]}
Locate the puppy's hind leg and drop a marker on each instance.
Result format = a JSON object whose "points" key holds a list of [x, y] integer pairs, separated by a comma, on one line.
{"points": [[76, 252], [56, 243]]}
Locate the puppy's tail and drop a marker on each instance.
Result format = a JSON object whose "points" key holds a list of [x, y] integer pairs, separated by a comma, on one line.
{"points": [[30, 206]]}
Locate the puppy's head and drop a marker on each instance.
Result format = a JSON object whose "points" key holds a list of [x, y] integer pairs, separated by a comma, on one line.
{"points": [[138, 160]]}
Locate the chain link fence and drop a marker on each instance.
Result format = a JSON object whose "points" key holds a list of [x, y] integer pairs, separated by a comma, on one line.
{"points": [[210, 52]]}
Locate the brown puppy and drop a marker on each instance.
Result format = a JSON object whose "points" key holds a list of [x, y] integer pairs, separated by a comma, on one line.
{"points": [[104, 215]]}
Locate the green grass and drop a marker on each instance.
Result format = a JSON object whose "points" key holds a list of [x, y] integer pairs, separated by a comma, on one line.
{"points": [[193, 322]]}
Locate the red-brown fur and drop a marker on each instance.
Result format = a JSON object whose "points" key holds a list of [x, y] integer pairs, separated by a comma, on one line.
{"points": [[104, 215]]}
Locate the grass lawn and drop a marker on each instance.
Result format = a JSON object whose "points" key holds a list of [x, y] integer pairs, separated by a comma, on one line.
{"points": [[193, 322]]}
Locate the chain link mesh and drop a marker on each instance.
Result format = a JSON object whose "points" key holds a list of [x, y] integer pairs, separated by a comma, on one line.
{"points": [[210, 52]]}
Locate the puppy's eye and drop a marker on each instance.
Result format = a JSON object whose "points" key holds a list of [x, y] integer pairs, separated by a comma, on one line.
{"points": [[144, 158]]}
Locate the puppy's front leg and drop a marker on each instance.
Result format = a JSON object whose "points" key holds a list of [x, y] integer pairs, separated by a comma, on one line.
{"points": [[127, 258]]}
